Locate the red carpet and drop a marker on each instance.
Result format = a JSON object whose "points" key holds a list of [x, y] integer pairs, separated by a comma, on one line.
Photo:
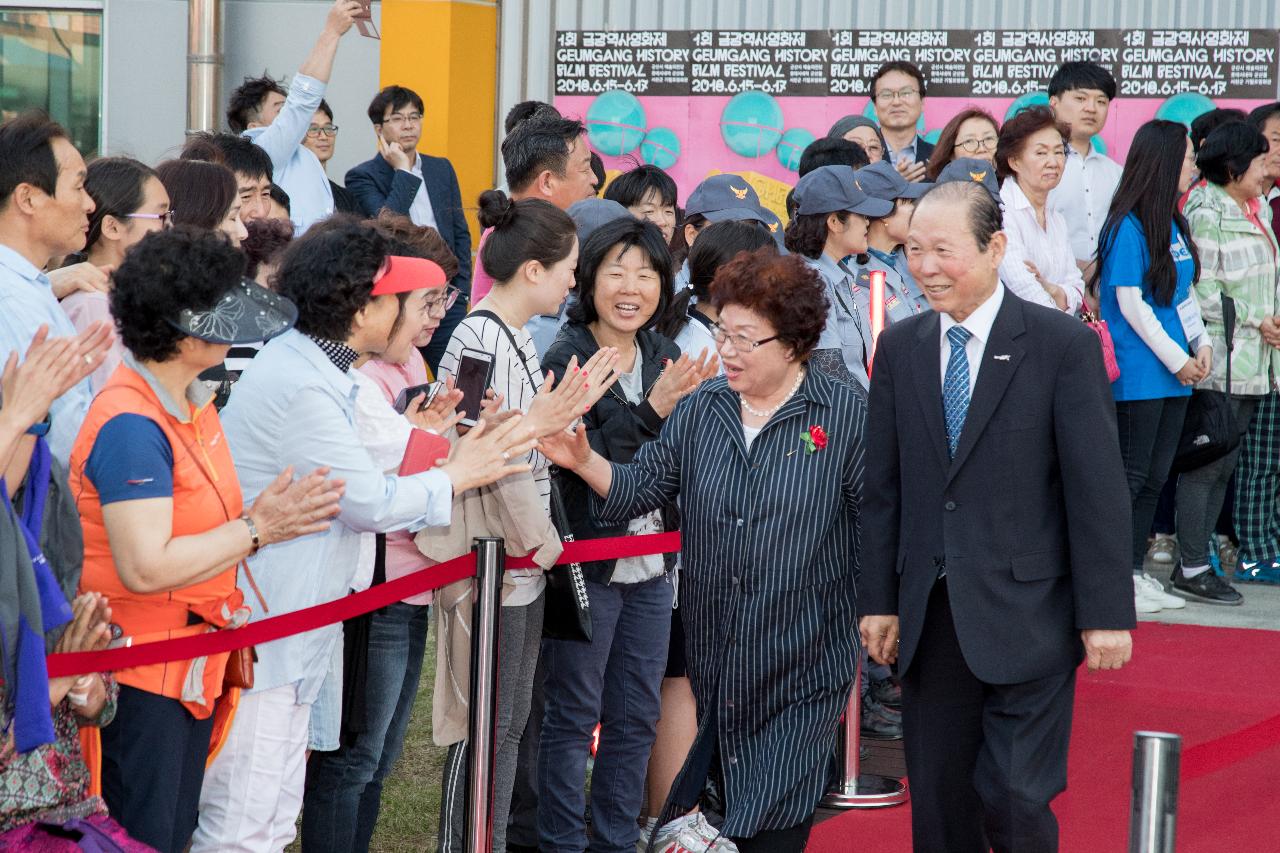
{"points": [[1217, 687]]}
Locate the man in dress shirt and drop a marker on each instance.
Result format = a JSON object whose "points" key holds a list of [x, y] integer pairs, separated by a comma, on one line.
{"points": [[898, 91], [424, 188], [1080, 95], [261, 110], [44, 213], [995, 481]]}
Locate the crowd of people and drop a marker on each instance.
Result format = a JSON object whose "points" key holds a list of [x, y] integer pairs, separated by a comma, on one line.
{"points": [[216, 370]]}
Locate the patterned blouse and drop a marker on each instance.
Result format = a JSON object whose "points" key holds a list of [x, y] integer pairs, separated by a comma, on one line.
{"points": [[49, 783]]}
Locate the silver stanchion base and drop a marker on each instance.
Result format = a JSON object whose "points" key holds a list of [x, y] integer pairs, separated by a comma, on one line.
{"points": [[869, 792]]}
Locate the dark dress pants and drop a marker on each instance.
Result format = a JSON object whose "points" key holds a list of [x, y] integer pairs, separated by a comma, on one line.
{"points": [[983, 760]]}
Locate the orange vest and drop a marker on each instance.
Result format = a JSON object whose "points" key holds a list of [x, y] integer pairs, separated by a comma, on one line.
{"points": [[206, 494]]}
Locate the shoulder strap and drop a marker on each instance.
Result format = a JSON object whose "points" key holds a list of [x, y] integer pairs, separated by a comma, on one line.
{"points": [[506, 330], [1229, 327]]}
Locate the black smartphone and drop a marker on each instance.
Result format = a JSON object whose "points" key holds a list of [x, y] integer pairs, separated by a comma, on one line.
{"points": [[428, 388], [475, 372]]}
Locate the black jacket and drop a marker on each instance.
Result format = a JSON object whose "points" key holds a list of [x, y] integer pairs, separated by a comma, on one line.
{"points": [[1031, 518], [616, 430], [375, 185]]}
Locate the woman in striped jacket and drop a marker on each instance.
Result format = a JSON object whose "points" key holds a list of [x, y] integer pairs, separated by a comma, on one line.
{"points": [[766, 465]]}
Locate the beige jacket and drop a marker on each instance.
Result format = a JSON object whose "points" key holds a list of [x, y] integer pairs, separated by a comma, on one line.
{"points": [[510, 509]]}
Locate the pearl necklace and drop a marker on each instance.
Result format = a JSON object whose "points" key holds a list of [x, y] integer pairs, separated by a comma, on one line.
{"points": [[770, 412]]}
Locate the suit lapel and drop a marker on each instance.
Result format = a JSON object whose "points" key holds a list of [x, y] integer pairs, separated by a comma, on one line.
{"points": [[926, 370], [724, 407], [385, 174], [993, 377]]}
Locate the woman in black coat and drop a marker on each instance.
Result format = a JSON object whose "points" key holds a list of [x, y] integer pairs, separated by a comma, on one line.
{"points": [[766, 465], [624, 284]]}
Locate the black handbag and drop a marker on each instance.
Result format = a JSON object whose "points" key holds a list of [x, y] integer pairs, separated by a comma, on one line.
{"points": [[566, 608], [566, 611], [1210, 430]]}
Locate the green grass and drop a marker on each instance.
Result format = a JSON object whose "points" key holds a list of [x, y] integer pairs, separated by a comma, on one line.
{"points": [[410, 812]]}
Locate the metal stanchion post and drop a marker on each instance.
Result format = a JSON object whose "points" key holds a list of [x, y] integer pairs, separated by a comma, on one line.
{"points": [[1153, 811], [485, 614], [857, 790]]}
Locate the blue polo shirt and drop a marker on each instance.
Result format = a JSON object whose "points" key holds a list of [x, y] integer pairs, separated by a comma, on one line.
{"points": [[1142, 375]]}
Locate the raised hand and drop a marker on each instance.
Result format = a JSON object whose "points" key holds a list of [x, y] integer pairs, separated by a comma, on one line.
{"points": [[569, 450], [679, 379], [287, 509], [342, 15], [485, 455]]}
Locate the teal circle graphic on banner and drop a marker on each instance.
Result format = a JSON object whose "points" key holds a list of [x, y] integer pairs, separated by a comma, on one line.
{"points": [[1030, 99], [1185, 107], [661, 148], [791, 147], [615, 123], [751, 124]]}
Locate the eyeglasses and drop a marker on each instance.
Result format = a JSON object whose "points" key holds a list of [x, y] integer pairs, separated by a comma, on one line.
{"points": [[887, 95], [441, 304], [975, 145], [322, 129], [741, 343], [166, 217], [400, 119]]}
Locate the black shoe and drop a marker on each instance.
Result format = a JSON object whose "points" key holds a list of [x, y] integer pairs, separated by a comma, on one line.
{"points": [[887, 692], [1206, 587], [879, 722]]}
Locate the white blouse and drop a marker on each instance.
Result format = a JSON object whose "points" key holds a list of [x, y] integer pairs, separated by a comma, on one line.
{"points": [[1049, 248]]}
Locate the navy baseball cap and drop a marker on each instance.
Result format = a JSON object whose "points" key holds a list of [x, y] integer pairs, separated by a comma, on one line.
{"points": [[882, 180], [590, 213], [771, 221], [972, 170], [723, 197], [830, 189]]}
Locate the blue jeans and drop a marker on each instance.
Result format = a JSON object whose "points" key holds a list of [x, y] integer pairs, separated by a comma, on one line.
{"points": [[344, 787], [615, 680]]}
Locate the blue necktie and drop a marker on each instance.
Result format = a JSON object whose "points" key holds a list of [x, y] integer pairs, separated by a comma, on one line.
{"points": [[955, 387]]}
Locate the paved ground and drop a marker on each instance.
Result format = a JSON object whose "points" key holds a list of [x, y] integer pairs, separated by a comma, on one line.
{"points": [[1261, 607]]}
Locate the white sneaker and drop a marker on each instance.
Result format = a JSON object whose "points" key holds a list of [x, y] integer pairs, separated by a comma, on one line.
{"points": [[1168, 601], [1144, 597], [1162, 549]]}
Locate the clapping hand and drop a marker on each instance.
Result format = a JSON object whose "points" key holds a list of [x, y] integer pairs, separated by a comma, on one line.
{"points": [[485, 455], [911, 170], [52, 367], [1059, 295], [553, 409], [681, 378], [88, 631], [288, 508]]}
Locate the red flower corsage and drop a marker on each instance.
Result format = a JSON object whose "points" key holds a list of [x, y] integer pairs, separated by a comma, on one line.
{"points": [[814, 439]]}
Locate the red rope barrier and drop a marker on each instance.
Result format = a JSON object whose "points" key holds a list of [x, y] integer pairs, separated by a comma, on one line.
{"points": [[347, 607]]}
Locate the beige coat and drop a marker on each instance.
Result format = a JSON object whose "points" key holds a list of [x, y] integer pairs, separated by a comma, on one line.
{"points": [[510, 509]]}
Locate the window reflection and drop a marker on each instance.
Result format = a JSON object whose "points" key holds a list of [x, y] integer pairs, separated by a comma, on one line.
{"points": [[51, 59]]}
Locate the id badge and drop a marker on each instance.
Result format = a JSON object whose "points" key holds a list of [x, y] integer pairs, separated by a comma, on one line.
{"points": [[1189, 314]]}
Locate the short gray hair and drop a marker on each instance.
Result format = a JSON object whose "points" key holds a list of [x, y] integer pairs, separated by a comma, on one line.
{"points": [[985, 218]]}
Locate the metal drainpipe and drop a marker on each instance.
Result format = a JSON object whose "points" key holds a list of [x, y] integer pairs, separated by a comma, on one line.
{"points": [[204, 64]]}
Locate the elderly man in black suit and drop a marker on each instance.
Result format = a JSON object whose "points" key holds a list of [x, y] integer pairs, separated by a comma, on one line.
{"points": [[422, 187], [996, 533]]}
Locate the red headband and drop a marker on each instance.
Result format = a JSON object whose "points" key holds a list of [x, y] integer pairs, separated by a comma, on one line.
{"points": [[400, 275]]}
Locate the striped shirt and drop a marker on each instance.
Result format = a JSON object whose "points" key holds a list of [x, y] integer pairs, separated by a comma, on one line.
{"points": [[512, 369], [769, 561]]}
